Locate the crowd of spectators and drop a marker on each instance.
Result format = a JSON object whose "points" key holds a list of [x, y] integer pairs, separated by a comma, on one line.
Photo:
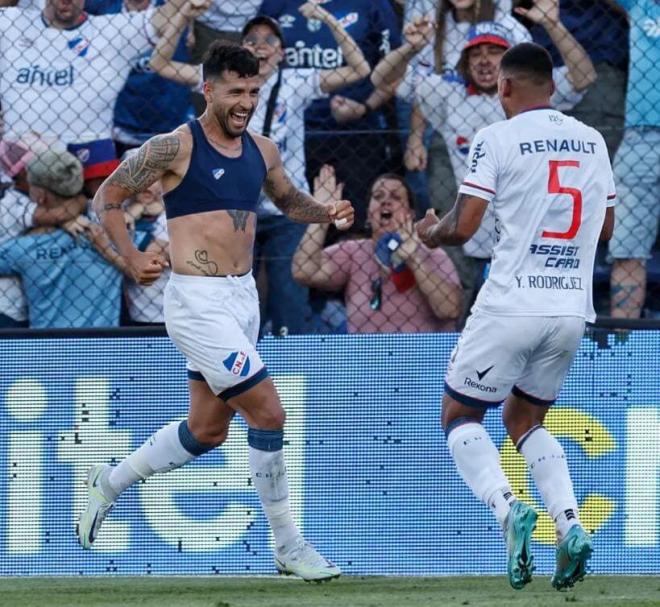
{"points": [[376, 101]]}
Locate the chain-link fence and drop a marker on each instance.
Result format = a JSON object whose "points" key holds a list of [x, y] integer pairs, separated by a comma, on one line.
{"points": [[374, 101]]}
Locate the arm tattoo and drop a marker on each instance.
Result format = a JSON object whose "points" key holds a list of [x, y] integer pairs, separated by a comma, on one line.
{"points": [[239, 218], [295, 204], [203, 263], [111, 206], [138, 172]]}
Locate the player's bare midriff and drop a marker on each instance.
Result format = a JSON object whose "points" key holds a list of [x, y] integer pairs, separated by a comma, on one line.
{"points": [[216, 243]]}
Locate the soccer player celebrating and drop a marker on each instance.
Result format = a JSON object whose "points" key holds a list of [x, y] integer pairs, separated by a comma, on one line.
{"points": [[212, 171], [548, 179]]}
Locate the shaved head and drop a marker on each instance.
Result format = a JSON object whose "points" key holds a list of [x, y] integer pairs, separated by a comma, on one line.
{"points": [[527, 62]]}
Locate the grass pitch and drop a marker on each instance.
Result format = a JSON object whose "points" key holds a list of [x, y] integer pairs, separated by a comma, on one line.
{"points": [[596, 591]]}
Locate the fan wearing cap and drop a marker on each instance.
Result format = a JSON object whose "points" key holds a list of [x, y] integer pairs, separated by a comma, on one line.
{"points": [[17, 215], [457, 110], [283, 97], [66, 281]]}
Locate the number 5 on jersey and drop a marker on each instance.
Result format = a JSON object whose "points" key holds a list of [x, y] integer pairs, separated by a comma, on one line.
{"points": [[554, 187]]}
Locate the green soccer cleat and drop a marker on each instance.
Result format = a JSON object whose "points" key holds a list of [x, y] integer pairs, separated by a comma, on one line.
{"points": [[573, 552], [518, 528], [302, 559], [98, 507]]}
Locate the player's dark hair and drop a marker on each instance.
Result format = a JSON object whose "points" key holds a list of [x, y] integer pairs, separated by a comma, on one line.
{"points": [[529, 61], [412, 199], [222, 57]]}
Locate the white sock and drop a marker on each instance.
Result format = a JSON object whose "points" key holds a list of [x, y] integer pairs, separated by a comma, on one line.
{"points": [[478, 463], [547, 464], [162, 452], [270, 480]]}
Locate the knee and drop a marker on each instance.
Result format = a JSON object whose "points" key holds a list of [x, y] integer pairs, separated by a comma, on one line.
{"points": [[518, 425], [453, 412], [212, 436], [272, 418]]}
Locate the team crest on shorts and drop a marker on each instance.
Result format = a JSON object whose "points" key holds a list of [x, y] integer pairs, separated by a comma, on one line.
{"points": [[237, 363]]}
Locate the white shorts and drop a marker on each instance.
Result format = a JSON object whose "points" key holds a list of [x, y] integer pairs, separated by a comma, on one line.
{"points": [[214, 322], [528, 356]]}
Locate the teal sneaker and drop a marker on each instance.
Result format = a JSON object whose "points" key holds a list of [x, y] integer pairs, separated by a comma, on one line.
{"points": [[573, 552], [518, 528], [98, 507]]}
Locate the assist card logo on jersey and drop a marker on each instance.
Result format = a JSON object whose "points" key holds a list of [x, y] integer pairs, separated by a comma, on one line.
{"points": [[237, 363]]}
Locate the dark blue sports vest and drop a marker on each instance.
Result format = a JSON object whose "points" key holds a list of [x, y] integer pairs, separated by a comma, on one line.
{"points": [[214, 182]]}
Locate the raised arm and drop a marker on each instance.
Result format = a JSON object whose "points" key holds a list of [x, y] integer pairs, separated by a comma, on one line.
{"points": [[163, 15], [357, 66], [154, 160], [295, 204], [581, 71], [161, 59], [311, 265], [391, 68]]}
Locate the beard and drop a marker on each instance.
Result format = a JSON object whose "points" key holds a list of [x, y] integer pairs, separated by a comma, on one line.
{"points": [[227, 123]]}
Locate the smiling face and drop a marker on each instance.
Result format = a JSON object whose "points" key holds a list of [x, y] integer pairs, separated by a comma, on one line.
{"points": [[483, 66], [389, 206], [262, 42], [232, 100]]}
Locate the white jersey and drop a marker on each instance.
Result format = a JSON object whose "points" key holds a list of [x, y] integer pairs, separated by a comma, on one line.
{"points": [[16, 216], [458, 112], [62, 84], [230, 15], [548, 178]]}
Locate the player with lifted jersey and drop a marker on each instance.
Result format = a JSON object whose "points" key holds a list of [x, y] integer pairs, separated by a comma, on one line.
{"points": [[212, 171], [548, 179]]}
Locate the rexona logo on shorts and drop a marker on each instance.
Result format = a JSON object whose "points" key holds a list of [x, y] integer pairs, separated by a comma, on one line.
{"points": [[237, 363], [470, 383]]}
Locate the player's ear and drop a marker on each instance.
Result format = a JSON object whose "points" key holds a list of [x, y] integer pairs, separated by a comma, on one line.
{"points": [[207, 90], [506, 87]]}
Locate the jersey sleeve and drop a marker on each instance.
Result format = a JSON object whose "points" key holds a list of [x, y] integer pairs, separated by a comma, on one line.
{"points": [[136, 29], [307, 84], [481, 175], [16, 215], [565, 96]]}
